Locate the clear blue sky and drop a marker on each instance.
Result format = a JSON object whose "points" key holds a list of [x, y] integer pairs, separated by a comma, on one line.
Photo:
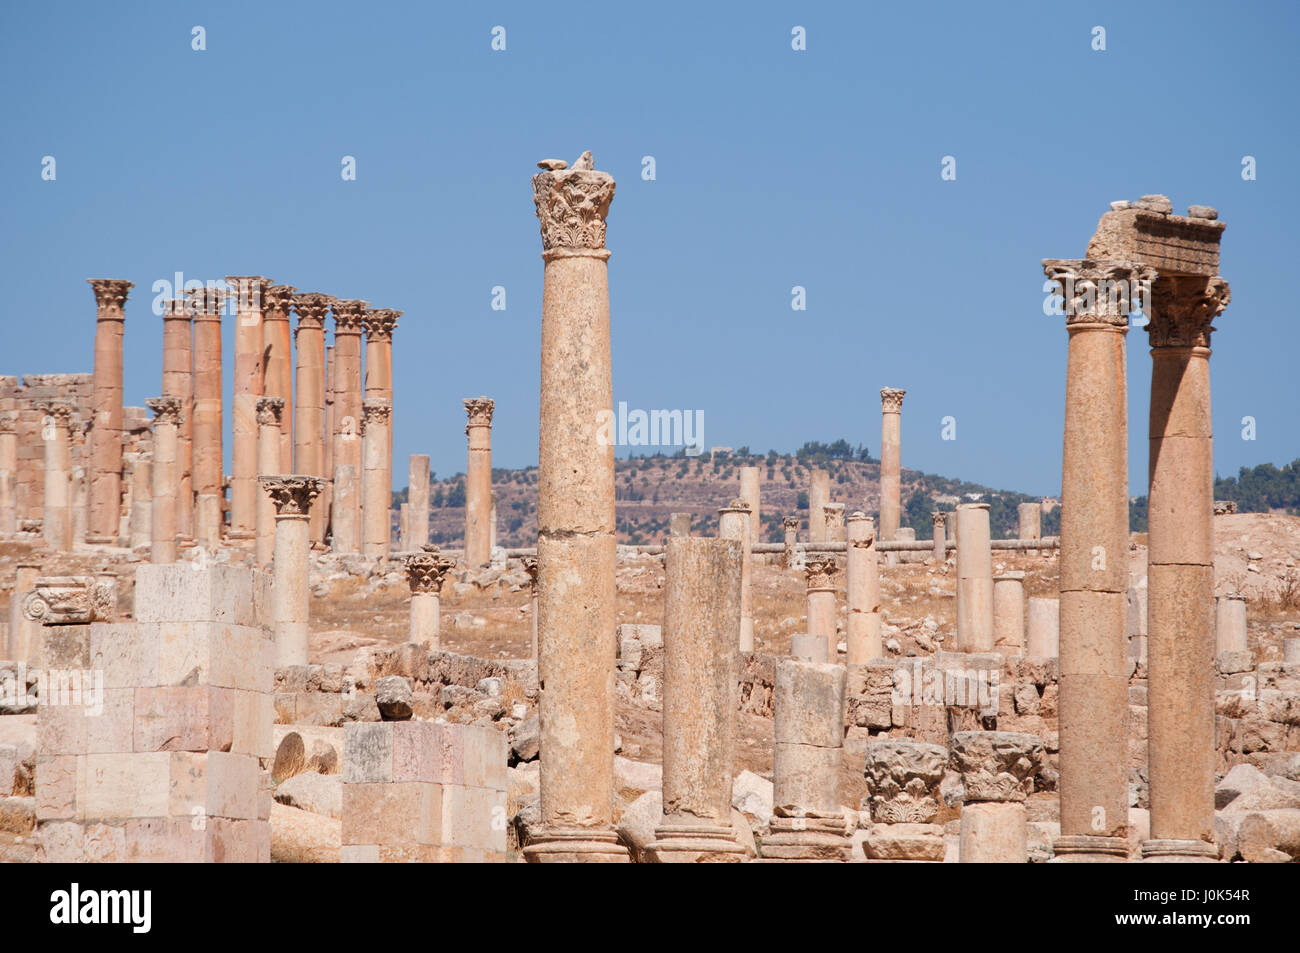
{"points": [[775, 168]]}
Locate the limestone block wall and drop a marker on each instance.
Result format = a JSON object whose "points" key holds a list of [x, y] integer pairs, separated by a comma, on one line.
{"points": [[23, 394]]}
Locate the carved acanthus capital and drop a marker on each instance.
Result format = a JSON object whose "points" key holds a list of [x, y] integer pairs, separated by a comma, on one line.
{"points": [[939, 518], [903, 780], [891, 399], [8, 421], [249, 291], [996, 765], [71, 600], [110, 295], [349, 313], [269, 411], [311, 308], [1100, 290], [380, 323], [167, 410], [819, 571], [279, 299], [375, 411], [572, 203], [58, 413], [790, 522], [1184, 308], [292, 493], [425, 571], [176, 309], [204, 302], [480, 410]]}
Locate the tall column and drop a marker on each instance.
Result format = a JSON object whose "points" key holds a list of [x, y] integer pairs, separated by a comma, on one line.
{"points": [[1009, 613], [178, 383], [819, 575], [208, 483], [269, 412], [166, 477], [478, 480], [376, 483], [939, 522], [1031, 514], [277, 369], [734, 523], [749, 492], [891, 436], [140, 518], [249, 292], [974, 579], [819, 494], [790, 530], [702, 608], [343, 522], [8, 474], [349, 316], [326, 502], [425, 572], [292, 495], [56, 434], [1180, 570], [1094, 561], [309, 411], [418, 497], [996, 767], [106, 407], [379, 324], [575, 521], [863, 638]]}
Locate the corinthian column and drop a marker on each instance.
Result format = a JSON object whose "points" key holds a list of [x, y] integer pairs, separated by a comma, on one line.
{"points": [[478, 481], [309, 416], [178, 382], [166, 471], [277, 371], [891, 435], [205, 304], [56, 434], [425, 572], [1180, 570], [292, 495], [819, 575], [349, 316], [8, 474], [249, 293], [269, 411], [380, 323], [376, 481], [575, 520], [1094, 561], [106, 406]]}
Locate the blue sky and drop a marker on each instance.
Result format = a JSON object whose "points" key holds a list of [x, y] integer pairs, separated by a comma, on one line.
{"points": [[774, 168]]}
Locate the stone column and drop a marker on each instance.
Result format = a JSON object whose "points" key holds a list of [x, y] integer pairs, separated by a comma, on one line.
{"points": [[819, 494], [277, 372], [997, 768], [1230, 623], [56, 434], [790, 530], [903, 778], [343, 538], [106, 408], [702, 610], [939, 520], [974, 579], [1042, 627], [327, 445], [1180, 570], [379, 324], [269, 411], [166, 477], [833, 518], [309, 411], [891, 407], [24, 633], [418, 497], [208, 482], [249, 292], [734, 523], [376, 482], [349, 316], [1009, 613], [530, 567], [292, 495], [178, 383], [425, 572], [478, 480], [1031, 514], [863, 575], [8, 474], [140, 518], [819, 574], [679, 524], [750, 494], [808, 820], [575, 521]]}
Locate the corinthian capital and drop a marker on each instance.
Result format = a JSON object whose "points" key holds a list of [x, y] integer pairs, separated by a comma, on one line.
{"points": [[426, 570], [205, 302], [891, 400], [8, 421], [996, 765], [70, 600], [375, 410], [292, 493], [269, 411], [249, 291], [58, 413], [1100, 290], [480, 411], [1183, 310], [819, 571], [176, 309], [311, 308], [380, 323], [279, 299], [349, 313], [167, 410], [572, 203], [110, 295], [939, 518]]}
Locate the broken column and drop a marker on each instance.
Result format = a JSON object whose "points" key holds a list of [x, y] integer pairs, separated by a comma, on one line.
{"points": [[750, 494], [417, 526], [208, 479], [376, 482], [292, 495], [178, 384], [833, 518], [819, 574], [734, 523], [166, 477], [1009, 613], [702, 611], [819, 494], [277, 373], [425, 572], [1230, 623], [997, 769], [309, 409], [575, 520], [939, 522], [478, 480], [106, 408], [56, 435], [8, 474], [269, 411], [248, 291], [863, 575], [891, 407], [1031, 515], [808, 821], [974, 579]]}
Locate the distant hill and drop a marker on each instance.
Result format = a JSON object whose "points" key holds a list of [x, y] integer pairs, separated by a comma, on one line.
{"points": [[1261, 489]]}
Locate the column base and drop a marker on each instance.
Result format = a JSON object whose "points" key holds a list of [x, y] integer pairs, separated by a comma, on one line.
{"points": [[806, 839], [1179, 852], [694, 844], [1089, 849], [576, 846], [101, 540]]}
